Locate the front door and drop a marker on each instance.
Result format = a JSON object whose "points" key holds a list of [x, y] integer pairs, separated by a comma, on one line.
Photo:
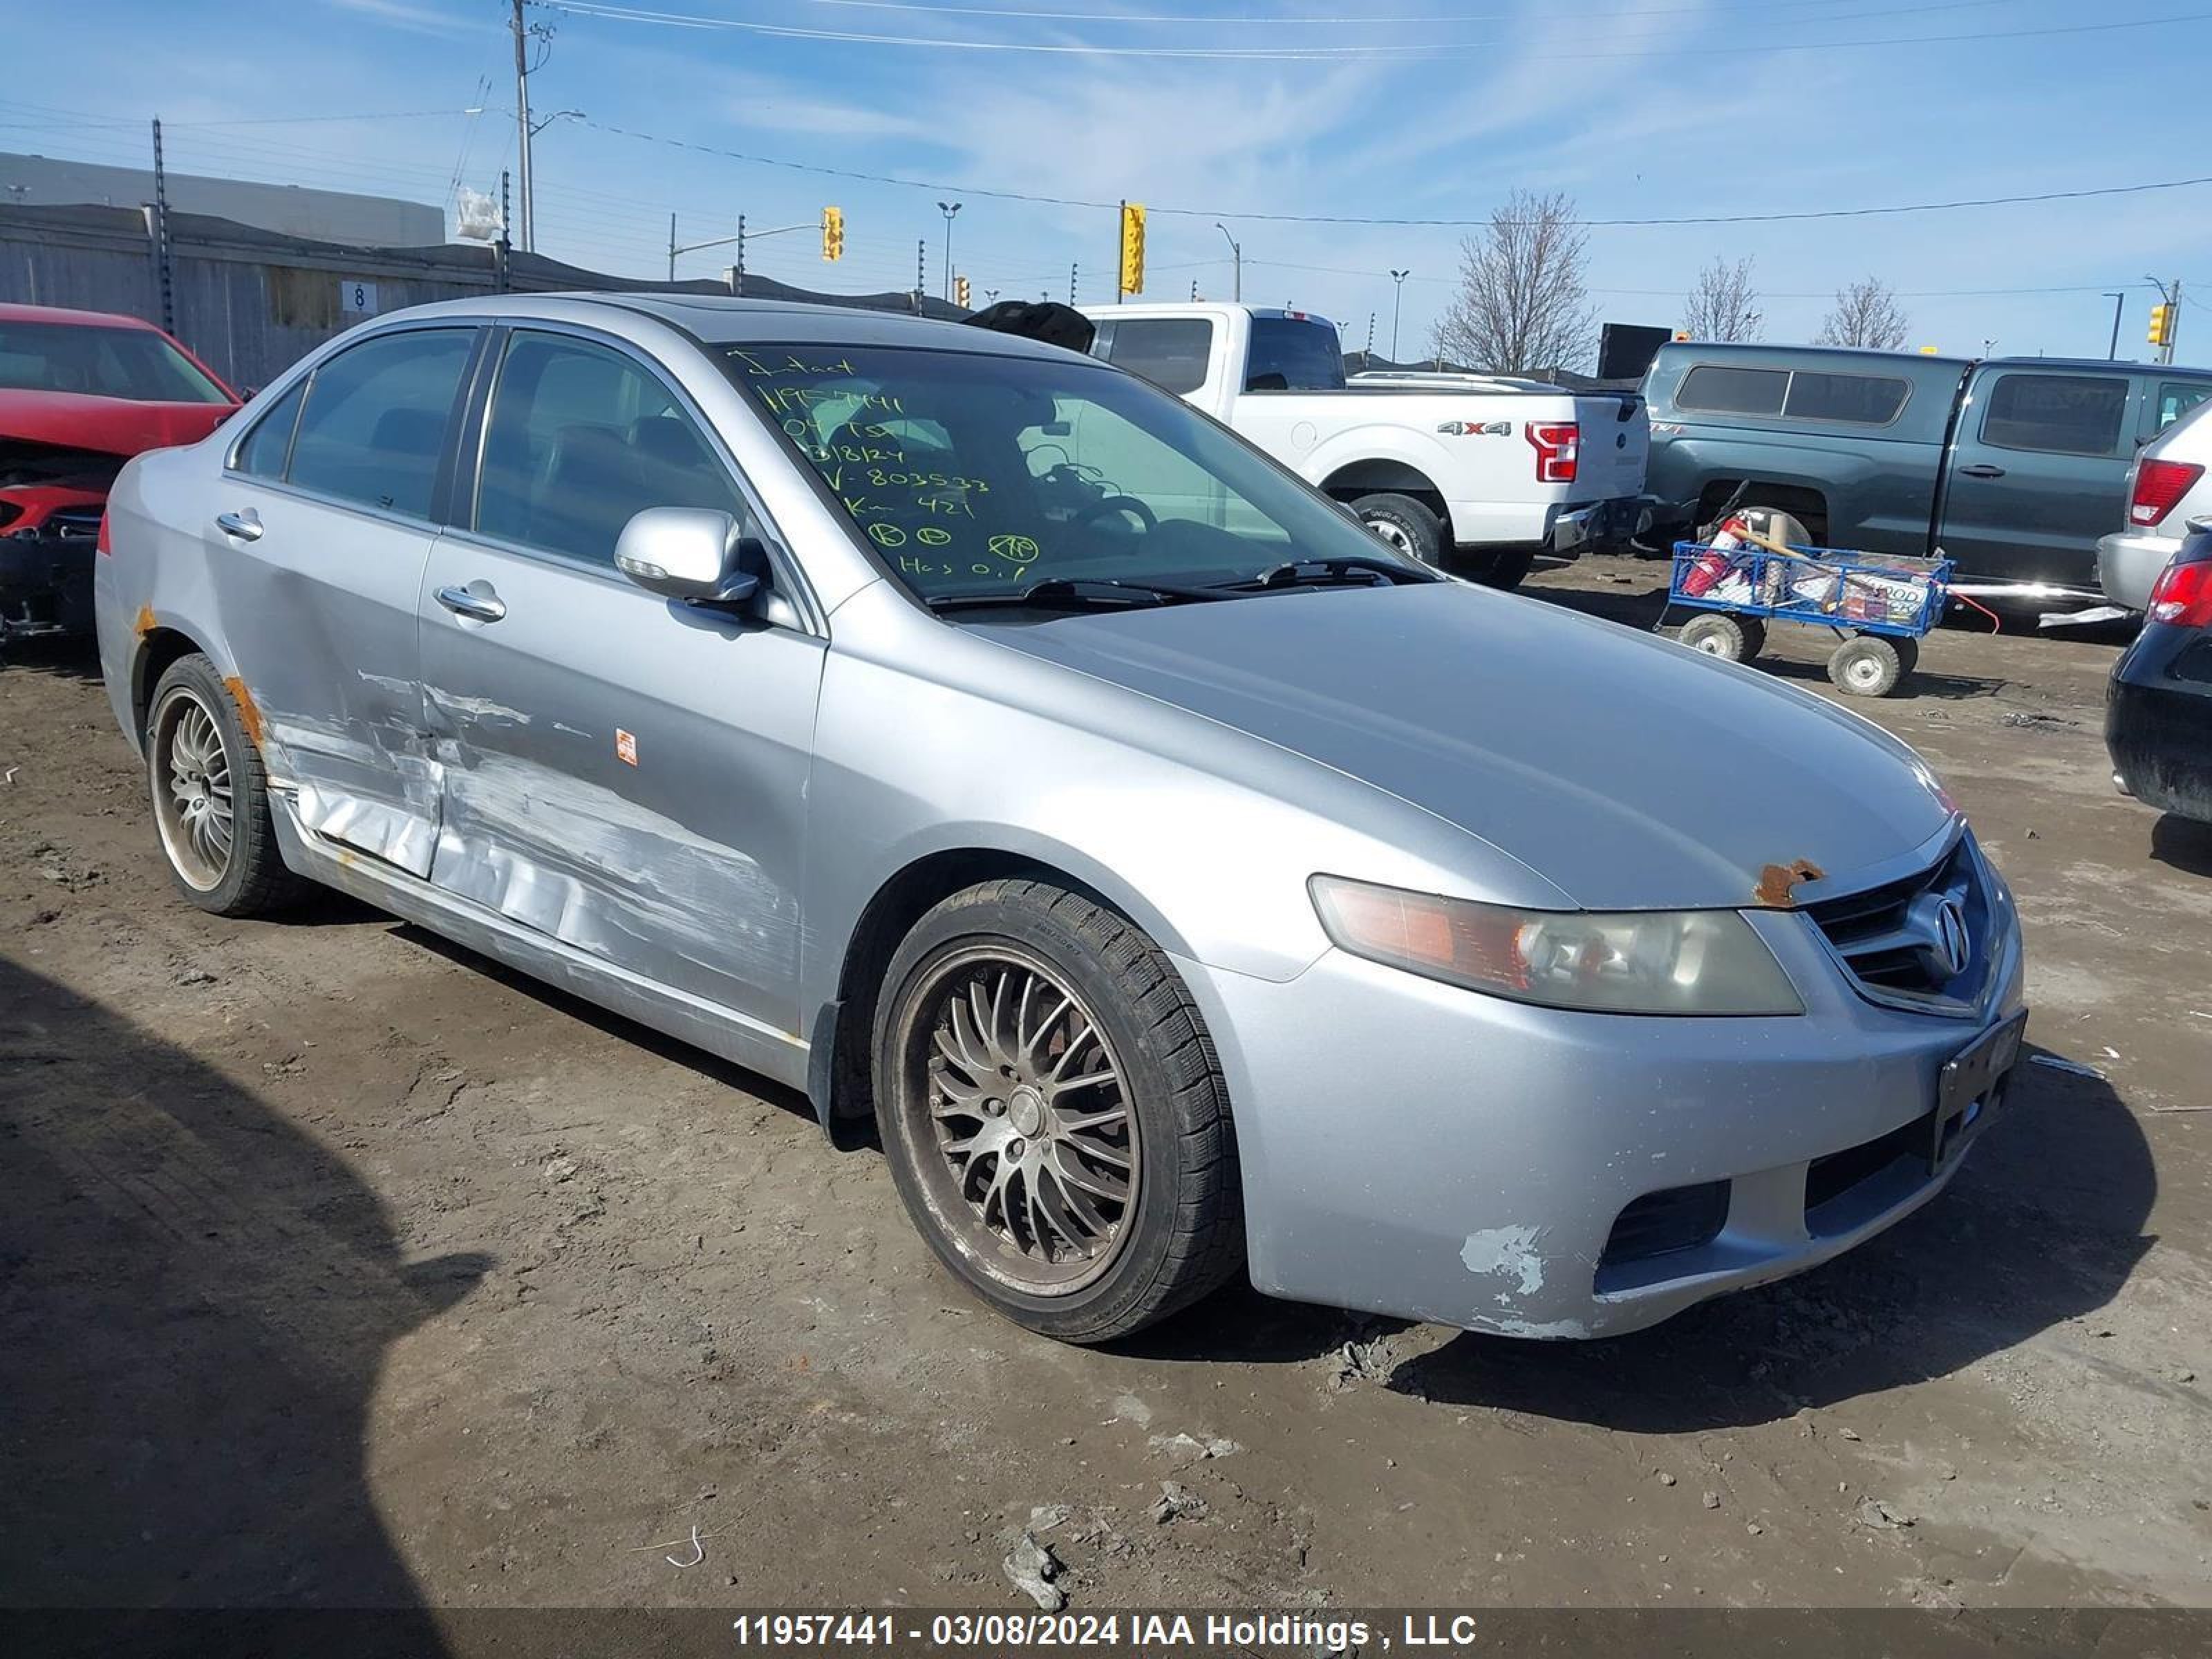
{"points": [[2037, 473], [322, 527], [623, 773]]}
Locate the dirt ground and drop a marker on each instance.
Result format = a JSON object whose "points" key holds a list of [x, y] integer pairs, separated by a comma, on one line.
{"points": [[340, 1267]]}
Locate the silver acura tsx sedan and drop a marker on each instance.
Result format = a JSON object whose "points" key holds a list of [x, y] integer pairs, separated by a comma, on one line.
{"points": [[983, 740]]}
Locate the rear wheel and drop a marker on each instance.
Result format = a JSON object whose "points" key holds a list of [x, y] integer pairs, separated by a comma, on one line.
{"points": [[1868, 666], [210, 797], [1054, 1119], [1403, 524]]}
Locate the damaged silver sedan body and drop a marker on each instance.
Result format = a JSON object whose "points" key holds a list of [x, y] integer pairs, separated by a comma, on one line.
{"points": [[976, 737]]}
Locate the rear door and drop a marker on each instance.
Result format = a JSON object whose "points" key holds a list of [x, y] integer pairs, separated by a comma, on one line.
{"points": [[2037, 473], [622, 772], [325, 518]]}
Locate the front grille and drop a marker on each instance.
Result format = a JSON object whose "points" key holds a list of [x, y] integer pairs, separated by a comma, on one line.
{"points": [[1891, 937], [1660, 1224]]}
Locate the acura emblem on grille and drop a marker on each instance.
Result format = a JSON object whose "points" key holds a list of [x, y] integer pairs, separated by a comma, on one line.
{"points": [[1954, 947]]}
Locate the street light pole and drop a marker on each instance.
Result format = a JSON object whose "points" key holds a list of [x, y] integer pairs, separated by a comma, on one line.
{"points": [[948, 210], [1397, 305], [1237, 249], [2120, 305]]}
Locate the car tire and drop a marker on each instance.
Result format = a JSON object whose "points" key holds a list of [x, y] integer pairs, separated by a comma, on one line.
{"points": [[1505, 570], [1008, 986], [1867, 666], [1403, 524], [1732, 638], [210, 797]]}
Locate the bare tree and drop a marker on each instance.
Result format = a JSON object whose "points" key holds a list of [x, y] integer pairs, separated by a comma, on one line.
{"points": [[1723, 305], [1866, 314], [1521, 304]]}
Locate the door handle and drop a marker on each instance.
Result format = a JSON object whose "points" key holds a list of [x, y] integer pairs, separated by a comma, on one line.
{"points": [[246, 525], [1981, 469], [465, 602]]}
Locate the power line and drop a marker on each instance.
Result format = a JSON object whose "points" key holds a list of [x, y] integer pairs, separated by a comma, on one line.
{"points": [[1432, 20], [1350, 54], [1040, 199]]}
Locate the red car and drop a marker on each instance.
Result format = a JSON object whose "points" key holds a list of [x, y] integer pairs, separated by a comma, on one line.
{"points": [[81, 392]]}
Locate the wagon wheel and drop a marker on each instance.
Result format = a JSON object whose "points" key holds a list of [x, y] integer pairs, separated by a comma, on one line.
{"points": [[1732, 638], [1868, 666]]}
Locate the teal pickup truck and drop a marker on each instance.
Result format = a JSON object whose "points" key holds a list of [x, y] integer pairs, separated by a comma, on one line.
{"points": [[2013, 466]]}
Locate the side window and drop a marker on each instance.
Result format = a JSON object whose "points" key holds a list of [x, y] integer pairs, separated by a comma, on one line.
{"points": [[581, 438], [1168, 351], [265, 450], [1860, 399], [2059, 414], [375, 420], [1725, 391], [1292, 353], [2177, 398]]}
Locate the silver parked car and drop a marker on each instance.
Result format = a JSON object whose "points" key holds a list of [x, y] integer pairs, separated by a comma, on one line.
{"points": [[2169, 486], [978, 738]]}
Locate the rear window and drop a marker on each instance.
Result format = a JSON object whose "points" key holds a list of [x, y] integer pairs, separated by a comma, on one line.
{"points": [[1294, 354], [1725, 391], [1168, 351], [134, 364], [2058, 414], [1861, 399]]}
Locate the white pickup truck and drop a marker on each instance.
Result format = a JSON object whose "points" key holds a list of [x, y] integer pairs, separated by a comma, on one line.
{"points": [[1477, 478]]}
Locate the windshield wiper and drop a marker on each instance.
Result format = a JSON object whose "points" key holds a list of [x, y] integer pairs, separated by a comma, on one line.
{"points": [[1371, 571], [1076, 592]]}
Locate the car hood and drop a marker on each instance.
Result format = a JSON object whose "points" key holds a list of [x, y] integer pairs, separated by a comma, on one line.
{"points": [[112, 426], [1630, 773]]}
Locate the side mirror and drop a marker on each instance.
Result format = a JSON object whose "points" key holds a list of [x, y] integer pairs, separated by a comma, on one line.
{"points": [[684, 553]]}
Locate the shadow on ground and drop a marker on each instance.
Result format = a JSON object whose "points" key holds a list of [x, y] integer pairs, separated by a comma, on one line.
{"points": [[196, 1299]]}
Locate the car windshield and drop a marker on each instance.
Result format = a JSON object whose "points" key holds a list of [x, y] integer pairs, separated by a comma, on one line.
{"points": [[132, 363], [976, 474]]}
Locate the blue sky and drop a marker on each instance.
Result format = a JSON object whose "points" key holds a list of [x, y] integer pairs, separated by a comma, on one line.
{"points": [[1636, 108]]}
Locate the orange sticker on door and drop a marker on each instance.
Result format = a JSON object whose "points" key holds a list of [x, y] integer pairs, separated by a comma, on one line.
{"points": [[625, 746]]}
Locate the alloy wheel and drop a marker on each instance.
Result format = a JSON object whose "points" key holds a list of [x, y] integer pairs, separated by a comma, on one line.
{"points": [[192, 796], [1035, 1140]]}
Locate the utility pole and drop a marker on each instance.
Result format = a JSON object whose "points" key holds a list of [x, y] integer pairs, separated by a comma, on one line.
{"points": [[164, 273], [1397, 305], [522, 117], [2119, 305], [2172, 299], [1237, 251], [948, 210]]}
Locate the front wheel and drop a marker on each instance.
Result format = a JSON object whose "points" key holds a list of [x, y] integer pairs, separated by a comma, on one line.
{"points": [[1732, 638], [1870, 666], [1056, 1122]]}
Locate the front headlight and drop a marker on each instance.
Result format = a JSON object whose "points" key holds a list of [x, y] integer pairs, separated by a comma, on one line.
{"points": [[1634, 962]]}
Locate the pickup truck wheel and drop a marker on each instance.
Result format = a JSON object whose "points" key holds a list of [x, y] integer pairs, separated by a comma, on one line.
{"points": [[1402, 523], [1506, 570], [1867, 666], [1732, 638], [1054, 1118]]}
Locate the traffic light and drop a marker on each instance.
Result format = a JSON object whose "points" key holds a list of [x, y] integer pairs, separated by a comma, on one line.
{"points": [[960, 291], [2162, 326], [1132, 248], [832, 233]]}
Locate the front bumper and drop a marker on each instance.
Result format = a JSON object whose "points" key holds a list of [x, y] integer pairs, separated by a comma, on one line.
{"points": [[1414, 1150], [45, 584]]}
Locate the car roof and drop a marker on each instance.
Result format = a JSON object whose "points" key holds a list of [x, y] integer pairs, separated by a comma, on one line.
{"points": [[14, 314], [719, 319]]}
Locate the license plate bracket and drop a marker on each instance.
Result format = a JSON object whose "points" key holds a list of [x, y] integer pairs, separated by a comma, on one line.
{"points": [[1971, 1088]]}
